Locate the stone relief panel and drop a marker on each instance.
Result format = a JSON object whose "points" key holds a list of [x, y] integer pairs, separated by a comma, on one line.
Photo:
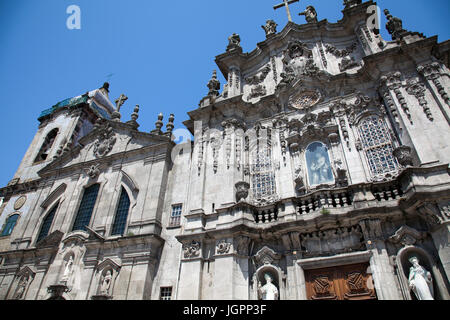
{"points": [[332, 241]]}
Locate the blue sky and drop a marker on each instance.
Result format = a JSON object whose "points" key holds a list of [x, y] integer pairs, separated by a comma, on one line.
{"points": [[159, 53]]}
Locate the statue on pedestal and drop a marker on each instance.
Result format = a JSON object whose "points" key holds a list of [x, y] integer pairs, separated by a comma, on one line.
{"points": [[106, 283], [420, 280]]}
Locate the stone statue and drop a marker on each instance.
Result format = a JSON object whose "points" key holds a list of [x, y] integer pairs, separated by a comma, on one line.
{"points": [[270, 27], [68, 269], [106, 283], [269, 291], [420, 280], [234, 42], [23, 282], [394, 26], [310, 14], [213, 85]]}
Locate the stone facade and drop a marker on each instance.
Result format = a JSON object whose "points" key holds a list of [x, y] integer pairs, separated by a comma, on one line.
{"points": [[328, 147]]}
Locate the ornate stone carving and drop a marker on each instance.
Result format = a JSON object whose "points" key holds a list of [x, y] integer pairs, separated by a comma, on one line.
{"points": [[270, 28], [105, 141], [432, 72], [418, 90], [242, 189], [257, 91], [403, 155], [266, 256], [394, 26], [340, 53], [119, 103], [310, 14], [223, 247], [191, 250], [348, 63], [20, 202], [305, 99], [393, 81], [213, 85], [93, 171], [234, 42], [258, 78], [407, 236]]}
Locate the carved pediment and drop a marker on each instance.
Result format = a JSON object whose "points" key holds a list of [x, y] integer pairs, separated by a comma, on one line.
{"points": [[266, 256], [109, 263]]}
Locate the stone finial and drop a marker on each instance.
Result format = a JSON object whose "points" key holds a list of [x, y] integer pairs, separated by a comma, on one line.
{"points": [[213, 85], [234, 42], [310, 14], [270, 28], [170, 125], [158, 124], [394, 26], [134, 117]]}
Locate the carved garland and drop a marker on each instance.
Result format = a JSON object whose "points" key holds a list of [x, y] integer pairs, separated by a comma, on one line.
{"points": [[431, 72], [418, 90]]}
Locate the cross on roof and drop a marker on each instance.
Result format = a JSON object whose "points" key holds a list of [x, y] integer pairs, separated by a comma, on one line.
{"points": [[286, 4], [120, 101]]}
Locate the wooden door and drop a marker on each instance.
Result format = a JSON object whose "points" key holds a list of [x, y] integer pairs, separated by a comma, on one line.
{"points": [[349, 282]]}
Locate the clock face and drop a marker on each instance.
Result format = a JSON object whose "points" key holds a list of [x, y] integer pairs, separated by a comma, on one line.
{"points": [[304, 100]]}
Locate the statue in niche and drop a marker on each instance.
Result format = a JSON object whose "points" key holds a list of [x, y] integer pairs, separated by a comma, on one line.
{"points": [[420, 280], [318, 161], [269, 291], [106, 283], [67, 270], [20, 291]]}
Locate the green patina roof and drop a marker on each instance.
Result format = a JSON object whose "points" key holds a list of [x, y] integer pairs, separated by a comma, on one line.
{"points": [[71, 102]]}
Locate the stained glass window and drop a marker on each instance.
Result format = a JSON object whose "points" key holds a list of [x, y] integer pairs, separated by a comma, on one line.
{"points": [[120, 220], [262, 173], [9, 225], [45, 228], [86, 207], [175, 216], [377, 145]]}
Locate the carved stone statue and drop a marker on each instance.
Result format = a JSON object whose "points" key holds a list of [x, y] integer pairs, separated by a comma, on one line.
{"points": [[420, 280], [213, 85], [21, 287], [67, 270], [270, 27], [234, 42], [310, 14], [269, 291], [351, 3], [394, 26], [106, 283]]}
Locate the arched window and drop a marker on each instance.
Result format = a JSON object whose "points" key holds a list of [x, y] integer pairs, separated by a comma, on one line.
{"points": [[377, 145], [262, 173], [318, 164], [86, 207], [46, 224], [9, 225], [120, 219], [46, 146]]}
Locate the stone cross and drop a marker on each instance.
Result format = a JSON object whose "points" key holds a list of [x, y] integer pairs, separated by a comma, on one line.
{"points": [[286, 4], [120, 101]]}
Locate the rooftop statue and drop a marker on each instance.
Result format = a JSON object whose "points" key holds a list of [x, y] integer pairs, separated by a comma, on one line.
{"points": [[234, 42], [270, 27], [310, 14]]}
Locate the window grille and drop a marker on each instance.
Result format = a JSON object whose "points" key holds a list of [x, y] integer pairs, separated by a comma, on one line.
{"points": [[120, 219], [175, 217], [166, 293], [86, 207]]}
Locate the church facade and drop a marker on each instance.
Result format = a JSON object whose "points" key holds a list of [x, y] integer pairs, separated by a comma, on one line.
{"points": [[320, 171]]}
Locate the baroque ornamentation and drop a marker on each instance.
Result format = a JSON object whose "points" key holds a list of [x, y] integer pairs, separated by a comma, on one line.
{"points": [[191, 250], [403, 155], [270, 28], [93, 171], [213, 85], [257, 91], [305, 99], [431, 72], [394, 26], [257, 79], [393, 81], [418, 90], [348, 63], [234, 42], [310, 14], [105, 141], [223, 247], [340, 53]]}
